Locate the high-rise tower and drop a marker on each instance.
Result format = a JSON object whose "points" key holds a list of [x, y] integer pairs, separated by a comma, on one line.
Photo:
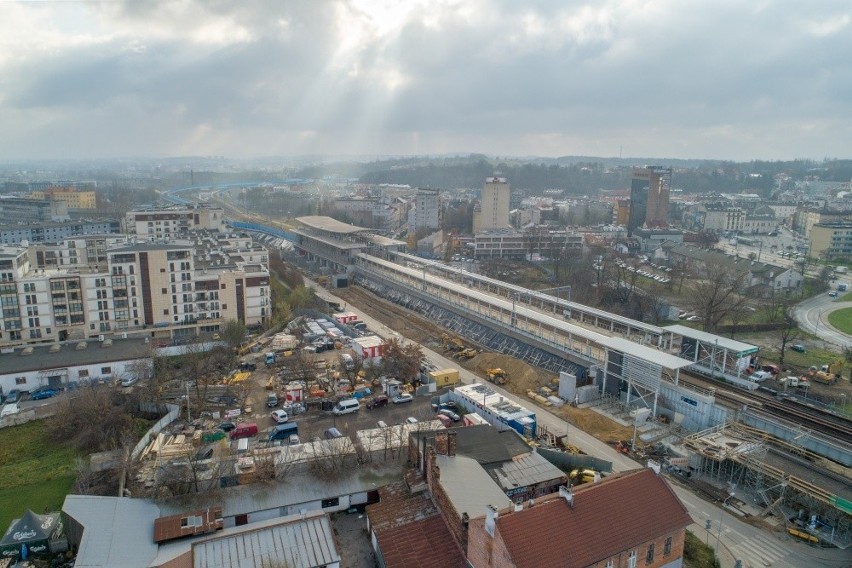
{"points": [[650, 189], [495, 204]]}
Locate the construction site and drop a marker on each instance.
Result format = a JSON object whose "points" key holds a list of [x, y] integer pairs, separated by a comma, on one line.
{"points": [[646, 389]]}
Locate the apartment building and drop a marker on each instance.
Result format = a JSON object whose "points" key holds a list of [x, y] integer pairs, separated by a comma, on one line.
{"points": [[53, 232], [74, 198], [831, 240], [164, 222], [95, 286], [20, 210], [494, 206], [427, 209]]}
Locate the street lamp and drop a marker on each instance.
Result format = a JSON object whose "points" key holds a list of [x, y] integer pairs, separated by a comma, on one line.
{"points": [[721, 515]]}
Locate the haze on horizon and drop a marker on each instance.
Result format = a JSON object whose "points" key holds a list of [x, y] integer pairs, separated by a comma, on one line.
{"points": [[719, 80]]}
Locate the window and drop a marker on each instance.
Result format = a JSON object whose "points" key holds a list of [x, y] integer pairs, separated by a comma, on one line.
{"points": [[106, 370], [20, 380], [330, 502], [82, 373], [667, 548], [165, 290], [609, 564], [223, 286], [631, 559], [649, 557]]}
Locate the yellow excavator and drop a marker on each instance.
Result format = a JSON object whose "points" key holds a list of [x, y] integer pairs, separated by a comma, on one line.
{"points": [[497, 376]]}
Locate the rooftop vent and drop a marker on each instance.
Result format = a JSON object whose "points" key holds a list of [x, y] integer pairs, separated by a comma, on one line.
{"points": [[55, 348], [80, 346], [27, 351]]}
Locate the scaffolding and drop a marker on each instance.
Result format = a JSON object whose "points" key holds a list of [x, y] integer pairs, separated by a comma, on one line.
{"points": [[736, 455]]}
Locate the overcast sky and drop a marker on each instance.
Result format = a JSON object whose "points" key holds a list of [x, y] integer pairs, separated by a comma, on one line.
{"points": [[723, 79]]}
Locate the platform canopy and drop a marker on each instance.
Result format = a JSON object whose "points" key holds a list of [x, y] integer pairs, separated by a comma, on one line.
{"points": [[737, 348]]}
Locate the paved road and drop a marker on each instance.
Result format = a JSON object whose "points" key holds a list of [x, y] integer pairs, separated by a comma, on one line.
{"points": [[738, 540], [812, 316]]}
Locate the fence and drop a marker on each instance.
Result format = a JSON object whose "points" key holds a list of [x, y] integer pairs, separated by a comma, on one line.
{"points": [[171, 416]]}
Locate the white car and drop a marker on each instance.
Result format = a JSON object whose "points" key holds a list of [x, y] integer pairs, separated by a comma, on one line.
{"points": [[279, 416], [10, 409], [760, 376], [411, 420], [401, 398]]}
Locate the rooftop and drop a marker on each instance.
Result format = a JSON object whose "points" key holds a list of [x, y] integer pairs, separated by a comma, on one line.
{"points": [[70, 354], [420, 544], [329, 224], [641, 501], [710, 338], [469, 488]]}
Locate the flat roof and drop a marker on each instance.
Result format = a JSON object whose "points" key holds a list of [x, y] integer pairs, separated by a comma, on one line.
{"points": [[468, 486], [117, 531], [47, 356], [704, 337], [329, 224], [662, 358]]}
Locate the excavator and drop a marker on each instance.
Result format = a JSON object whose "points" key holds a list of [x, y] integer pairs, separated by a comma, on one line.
{"points": [[497, 376], [452, 343], [827, 374]]}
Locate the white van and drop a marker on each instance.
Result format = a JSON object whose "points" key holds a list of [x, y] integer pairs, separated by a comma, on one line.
{"points": [[347, 406], [348, 362]]}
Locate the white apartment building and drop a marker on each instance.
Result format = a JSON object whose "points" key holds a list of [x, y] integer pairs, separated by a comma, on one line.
{"points": [[427, 209], [494, 211], [159, 289], [174, 220]]}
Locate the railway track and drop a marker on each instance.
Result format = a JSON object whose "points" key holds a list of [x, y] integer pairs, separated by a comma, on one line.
{"points": [[792, 410]]}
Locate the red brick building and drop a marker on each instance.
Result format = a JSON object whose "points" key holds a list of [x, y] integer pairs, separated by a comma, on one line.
{"points": [[628, 520]]}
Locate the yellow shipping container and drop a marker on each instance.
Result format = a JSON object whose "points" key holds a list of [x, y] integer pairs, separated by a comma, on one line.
{"points": [[445, 377]]}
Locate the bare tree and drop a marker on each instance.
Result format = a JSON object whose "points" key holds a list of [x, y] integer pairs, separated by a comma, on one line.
{"points": [[787, 334], [718, 291], [401, 361]]}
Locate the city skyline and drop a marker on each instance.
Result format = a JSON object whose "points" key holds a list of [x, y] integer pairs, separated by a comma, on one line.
{"points": [[364, 77]]}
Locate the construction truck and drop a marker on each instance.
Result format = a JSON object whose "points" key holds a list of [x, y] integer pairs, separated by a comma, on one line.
{"points": [[794, 381], [497, 376]]}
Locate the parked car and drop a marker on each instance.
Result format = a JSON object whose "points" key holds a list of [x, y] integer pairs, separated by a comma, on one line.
{"points": [[446, 422], [9, 410], [279, 416], [129, 381], [272, 401], [226, 426], [244, 366], [411, 420], [449, 414], [832, 294], [43, 393], [798, 347], [382, 424], [402, 398], [14, 395], [377, 402]]}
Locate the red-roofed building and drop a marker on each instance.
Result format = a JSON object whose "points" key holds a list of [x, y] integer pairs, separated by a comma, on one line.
{"points": [[626, 521]]}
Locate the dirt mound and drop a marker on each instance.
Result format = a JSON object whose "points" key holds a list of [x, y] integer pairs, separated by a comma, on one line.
{"points": [[521, 376]]}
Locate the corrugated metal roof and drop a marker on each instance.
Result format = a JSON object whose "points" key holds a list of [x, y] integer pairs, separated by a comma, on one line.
{"points": [[299, 543], [525, 471], [710, 338]]}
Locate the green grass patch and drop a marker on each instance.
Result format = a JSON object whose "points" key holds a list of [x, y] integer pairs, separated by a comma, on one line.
{"points": [[847, 297], [35, 472], [842, 320]]}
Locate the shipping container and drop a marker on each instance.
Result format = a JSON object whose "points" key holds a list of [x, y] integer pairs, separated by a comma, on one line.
{"points": [[445, 377]]}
